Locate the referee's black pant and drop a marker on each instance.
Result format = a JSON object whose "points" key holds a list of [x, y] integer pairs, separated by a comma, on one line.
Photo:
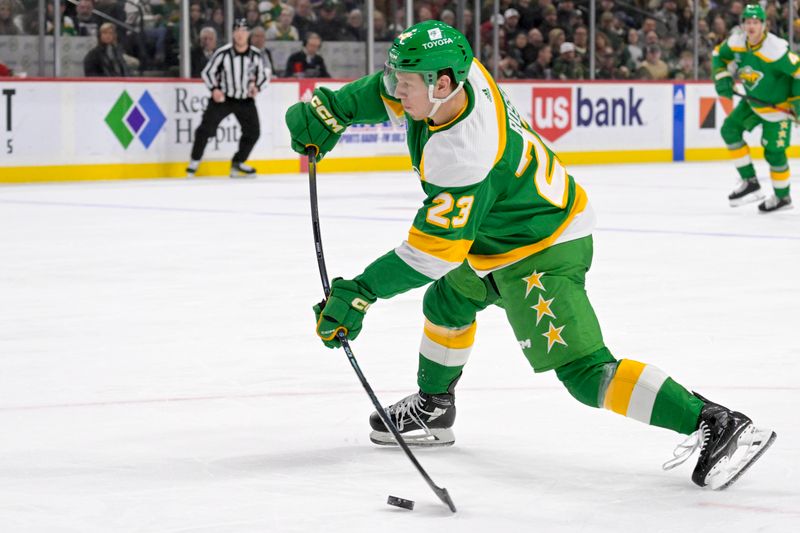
{"points": [[247, 115]]}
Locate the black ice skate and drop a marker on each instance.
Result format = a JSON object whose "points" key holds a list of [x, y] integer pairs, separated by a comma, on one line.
{"points": [[773, 203], [240, 170], [749, 190], [422, 419], [191, 170], [729, 444]]}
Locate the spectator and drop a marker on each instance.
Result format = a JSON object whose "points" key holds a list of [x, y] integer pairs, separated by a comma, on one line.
{"points": [[329, 25], [307, 63], [733, 14], [528, 14], [105, 59], [648, 25], [540, 69], [282, 29], [536, 40], [398, 22], [10, 19], [720, 28], [382, 33], [252, 18], [424, 13], [511, 24], [580, 39], [67, 24], [607, 67], [607, 27], [86, 22], [448, 17], [555, 38], [217, 20], [353, 29], [197, 21], [668, 14], [566, 66], [258, 38], [653, 67], [685, 67], [522, 51], [633, 50], [564, 11], [549, 20], [5, 72], [202, 53], [305, 18]]}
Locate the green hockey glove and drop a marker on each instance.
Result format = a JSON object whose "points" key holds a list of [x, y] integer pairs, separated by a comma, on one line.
{"points": [[343, 311], [313, 123], [724, 85], [796, 108]]}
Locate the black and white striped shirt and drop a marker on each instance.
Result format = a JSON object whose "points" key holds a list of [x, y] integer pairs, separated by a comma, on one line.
{"points": [[232, 72]]}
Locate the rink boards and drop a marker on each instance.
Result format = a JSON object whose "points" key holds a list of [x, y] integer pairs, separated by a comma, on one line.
{"points": [[127, 129]]}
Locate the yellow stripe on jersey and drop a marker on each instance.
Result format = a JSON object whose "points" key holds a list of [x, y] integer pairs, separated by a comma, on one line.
{"points": [[393, 106], [779, 176], [739, 152], [493, 262], [619, 392], [451, 338], [444, 249], [500, 109], [434, 127]]}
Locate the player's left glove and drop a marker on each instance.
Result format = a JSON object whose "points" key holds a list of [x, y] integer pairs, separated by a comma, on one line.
{"points": [[796, 108], [343, 311], [723, 83]]}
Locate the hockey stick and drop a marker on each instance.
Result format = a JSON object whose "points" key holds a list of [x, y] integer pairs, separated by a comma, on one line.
{"points": [[441, 492], [792, 116]]}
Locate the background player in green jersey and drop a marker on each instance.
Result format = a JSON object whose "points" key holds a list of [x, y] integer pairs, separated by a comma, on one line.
{"points": [[770, 74], [503, 223]]}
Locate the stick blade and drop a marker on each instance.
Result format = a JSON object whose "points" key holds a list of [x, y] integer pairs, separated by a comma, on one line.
{"points": [[443, 495]]}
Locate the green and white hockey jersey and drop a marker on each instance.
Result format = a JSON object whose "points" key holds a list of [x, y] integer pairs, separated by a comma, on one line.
{"points": [[769, 71], [495, 193]]}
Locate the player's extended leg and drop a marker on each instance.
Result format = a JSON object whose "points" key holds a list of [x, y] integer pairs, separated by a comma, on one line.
{"points": [[212, 116], [450, 305], [742, 119], [546, 303], [776, 138], [247, 115]]}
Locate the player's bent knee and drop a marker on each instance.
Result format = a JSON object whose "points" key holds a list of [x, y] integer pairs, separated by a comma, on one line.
{"points": [[585, 378]]}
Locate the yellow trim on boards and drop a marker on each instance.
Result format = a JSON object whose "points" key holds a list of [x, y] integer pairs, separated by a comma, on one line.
{"points": [[399, 163], [716, 154], [132, 171]]}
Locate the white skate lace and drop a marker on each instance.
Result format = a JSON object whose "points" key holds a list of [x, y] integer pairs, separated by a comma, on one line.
{"points": [[685, 449], [408, 406]]}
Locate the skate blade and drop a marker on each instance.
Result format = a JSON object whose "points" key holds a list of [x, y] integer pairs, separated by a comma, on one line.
{"points": [[783, 208], [436, 438], [749, 199], [752, 444], [240, 175]]}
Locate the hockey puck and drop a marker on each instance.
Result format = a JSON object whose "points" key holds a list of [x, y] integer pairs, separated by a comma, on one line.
{"points": [[400, 502]]}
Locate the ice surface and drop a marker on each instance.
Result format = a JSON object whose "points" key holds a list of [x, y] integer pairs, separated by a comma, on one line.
{"points": [[159, 370]]}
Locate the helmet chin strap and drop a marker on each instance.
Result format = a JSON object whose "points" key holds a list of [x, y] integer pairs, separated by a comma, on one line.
{"points": [[437, 102]]}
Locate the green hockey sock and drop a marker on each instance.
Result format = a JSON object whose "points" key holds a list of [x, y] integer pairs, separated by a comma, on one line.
{"points": [[632, 389]]}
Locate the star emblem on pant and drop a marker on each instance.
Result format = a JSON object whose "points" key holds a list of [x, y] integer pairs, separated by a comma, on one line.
{"points": [[780, 143], [553, 336], [543, 309], [533, 281]]}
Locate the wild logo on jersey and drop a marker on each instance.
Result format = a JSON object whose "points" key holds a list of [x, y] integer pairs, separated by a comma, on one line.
{"points": [[750, 77]]}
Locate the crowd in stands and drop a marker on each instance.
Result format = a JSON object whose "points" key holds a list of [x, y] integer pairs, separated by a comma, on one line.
{"points": [[538, 39]]}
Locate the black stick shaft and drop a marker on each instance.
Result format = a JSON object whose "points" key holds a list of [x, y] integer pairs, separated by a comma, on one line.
{"points": [[441, 492]]}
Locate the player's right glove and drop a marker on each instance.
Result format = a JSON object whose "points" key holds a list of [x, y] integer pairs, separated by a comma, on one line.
{"points": [[314, 124], [343, 311], [724, 84]]}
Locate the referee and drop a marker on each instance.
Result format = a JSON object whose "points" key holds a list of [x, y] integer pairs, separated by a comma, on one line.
{"points": [[234, 75]]}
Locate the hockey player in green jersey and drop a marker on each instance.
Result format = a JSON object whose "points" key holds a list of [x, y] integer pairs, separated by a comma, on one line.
{"points": [[770, 73], [503, 223]]}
